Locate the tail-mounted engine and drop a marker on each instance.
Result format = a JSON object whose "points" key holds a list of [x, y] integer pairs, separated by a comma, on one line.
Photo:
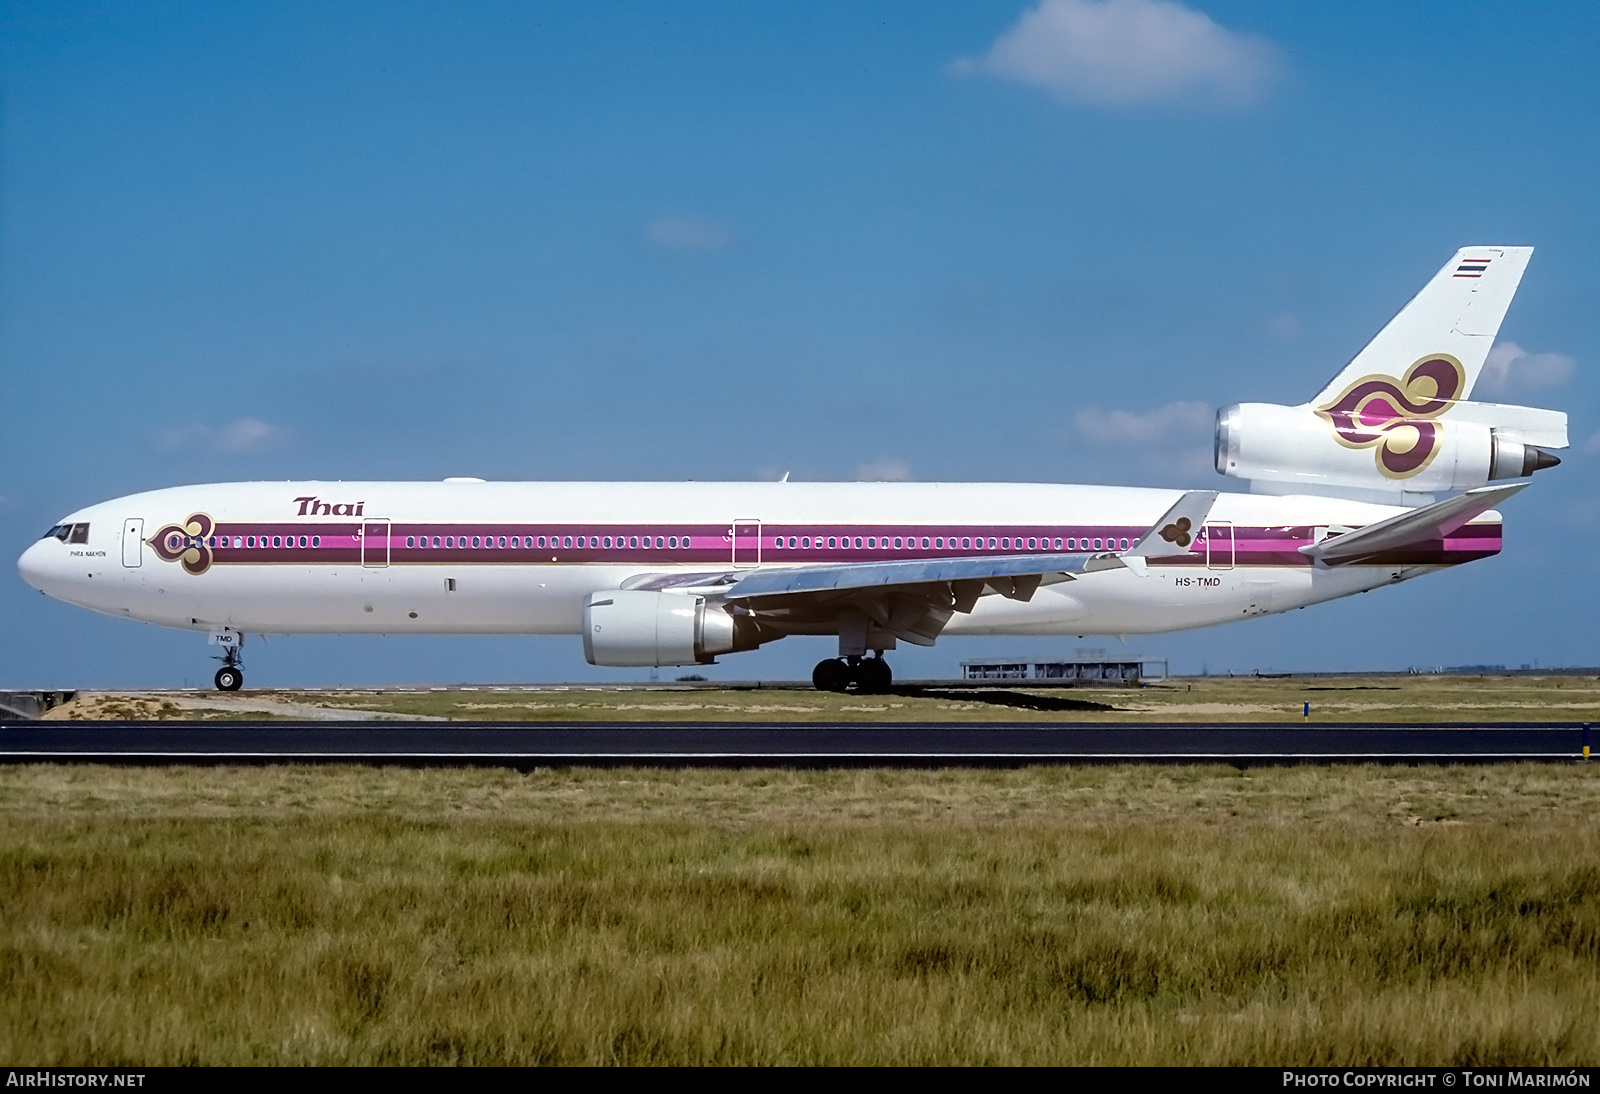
{"points": [[1371, 448]]}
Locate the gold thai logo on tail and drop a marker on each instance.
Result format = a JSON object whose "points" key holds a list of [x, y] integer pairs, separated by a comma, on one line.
{"points": [[1398, 421]]}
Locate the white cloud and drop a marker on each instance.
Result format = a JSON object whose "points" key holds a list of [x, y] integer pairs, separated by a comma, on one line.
{"points": [[884, 469], [1124, 52], [1285, 326], [1509, 367], [1165, 427], [686, 234], [236, 438], [246, 435]]}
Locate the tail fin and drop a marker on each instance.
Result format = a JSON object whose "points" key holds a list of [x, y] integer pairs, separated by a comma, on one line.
{"points": [[1446, 330]]}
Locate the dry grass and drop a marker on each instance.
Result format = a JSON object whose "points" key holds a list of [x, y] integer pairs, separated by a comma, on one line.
{"points": [[1047, 915], [1485, 699]]}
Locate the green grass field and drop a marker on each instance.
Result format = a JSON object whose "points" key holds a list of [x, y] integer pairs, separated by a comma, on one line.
{"points": [[1425, 698], [1298, 915]]}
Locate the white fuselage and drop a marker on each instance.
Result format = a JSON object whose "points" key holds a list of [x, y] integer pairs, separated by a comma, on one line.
{"points": [[520, 558]]}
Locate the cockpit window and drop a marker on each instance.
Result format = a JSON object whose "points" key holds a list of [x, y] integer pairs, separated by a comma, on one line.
{"points": [[68, 533]]}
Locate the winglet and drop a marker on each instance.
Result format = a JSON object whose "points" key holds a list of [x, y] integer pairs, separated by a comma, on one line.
{"points": [[1175, 532]]}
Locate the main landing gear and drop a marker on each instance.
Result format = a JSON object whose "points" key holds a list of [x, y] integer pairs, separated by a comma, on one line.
{"points": [[870, 675], [230, 677]]}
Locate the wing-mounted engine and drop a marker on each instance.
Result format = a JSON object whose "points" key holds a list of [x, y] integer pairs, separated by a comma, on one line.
{"points": [[630, 628], [1375, 448]]}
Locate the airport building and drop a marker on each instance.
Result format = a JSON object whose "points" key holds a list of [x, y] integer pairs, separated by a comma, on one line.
{"points": [[1087, 666]]}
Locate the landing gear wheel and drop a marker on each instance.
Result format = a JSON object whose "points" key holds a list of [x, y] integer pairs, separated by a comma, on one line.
{"points": [[873, 676], [830, 675], [229, 679]]}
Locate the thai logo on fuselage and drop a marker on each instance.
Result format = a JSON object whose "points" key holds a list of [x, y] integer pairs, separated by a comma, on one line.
{"points": [[187, 543], [1399, 420]]}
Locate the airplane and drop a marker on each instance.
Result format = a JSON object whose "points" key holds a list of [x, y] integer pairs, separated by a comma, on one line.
{"points": [[1389, 473]]}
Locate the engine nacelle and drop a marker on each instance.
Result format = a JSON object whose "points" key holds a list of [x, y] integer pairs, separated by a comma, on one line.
{"points": [[636, 629], [1312, 448]]}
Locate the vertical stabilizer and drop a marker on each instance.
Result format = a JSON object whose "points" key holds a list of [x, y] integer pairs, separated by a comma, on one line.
{"points": [[1451, 322]]}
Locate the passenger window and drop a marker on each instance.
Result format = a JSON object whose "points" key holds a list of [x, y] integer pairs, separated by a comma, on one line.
{"points": [[250, 541], [938, 541], [1058, 543], [302, 541], [541, 541], [501, 542], [566, 541], [633, 541], [277, 541], [898, 542], [411, 541], [449, 541], [1097, 544], [316, 541], [924, 543], [805, 541], [832, 542], [474, 541], [991, 543], [1005, 543]]}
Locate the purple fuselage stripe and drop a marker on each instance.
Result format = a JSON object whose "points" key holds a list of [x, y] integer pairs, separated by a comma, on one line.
{"points": [[635, 545]]}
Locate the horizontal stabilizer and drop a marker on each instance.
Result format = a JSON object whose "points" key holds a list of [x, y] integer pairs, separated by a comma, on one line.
{"points": [[1523, 424], [1431, 522]]}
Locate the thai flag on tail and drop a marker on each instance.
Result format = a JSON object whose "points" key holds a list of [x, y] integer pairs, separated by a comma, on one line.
{"points": [[1472, 267]]}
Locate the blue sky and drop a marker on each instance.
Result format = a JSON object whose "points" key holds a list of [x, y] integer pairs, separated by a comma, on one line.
{"points": [[985, 241]]}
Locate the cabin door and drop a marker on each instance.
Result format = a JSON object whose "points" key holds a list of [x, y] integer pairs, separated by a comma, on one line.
{"points": [[1219, 545], [375, 543], [132, 542], [747, 542]]}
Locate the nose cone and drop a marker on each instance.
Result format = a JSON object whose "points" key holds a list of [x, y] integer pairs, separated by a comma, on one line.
{"points": [[35, 564]]}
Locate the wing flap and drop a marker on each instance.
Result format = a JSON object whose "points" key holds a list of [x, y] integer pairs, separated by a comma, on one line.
{"points": [[789, 580]]}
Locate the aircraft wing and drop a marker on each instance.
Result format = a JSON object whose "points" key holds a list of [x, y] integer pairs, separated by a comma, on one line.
{"points": [[913, 599], [871, 575], [1418, 526]]}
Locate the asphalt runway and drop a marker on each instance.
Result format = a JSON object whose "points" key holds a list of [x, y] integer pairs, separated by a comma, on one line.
{"points": [[899, 744]]}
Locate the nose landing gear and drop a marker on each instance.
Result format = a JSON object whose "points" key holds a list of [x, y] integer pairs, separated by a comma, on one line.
{"points": [[869, 675], [230, 677]]}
